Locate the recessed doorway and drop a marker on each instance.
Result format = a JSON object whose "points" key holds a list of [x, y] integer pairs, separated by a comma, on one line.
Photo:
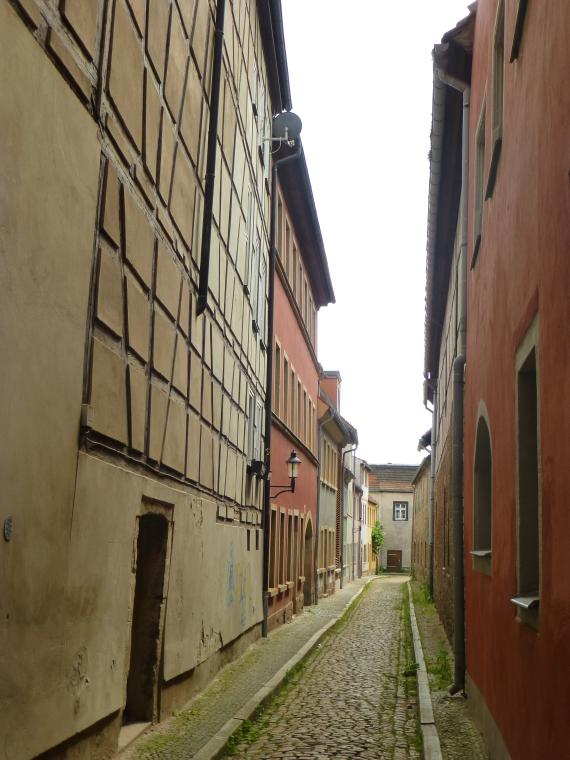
{"points": [[144, 666]]}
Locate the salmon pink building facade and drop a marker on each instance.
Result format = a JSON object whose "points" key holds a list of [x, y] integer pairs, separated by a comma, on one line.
{"points": [[302, 285]]}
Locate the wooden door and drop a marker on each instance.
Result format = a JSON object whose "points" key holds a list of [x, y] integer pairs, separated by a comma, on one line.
{"points": [[393, 560]]}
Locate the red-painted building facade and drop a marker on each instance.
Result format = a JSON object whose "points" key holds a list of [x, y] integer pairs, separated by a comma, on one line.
{"points": [[500, 276], [302, 285], [517, 392]]}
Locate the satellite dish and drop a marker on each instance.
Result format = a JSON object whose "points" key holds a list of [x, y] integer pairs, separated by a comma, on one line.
{"points": [[286, 126]]}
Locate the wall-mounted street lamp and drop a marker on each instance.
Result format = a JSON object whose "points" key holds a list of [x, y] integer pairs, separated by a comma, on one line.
{"points": [[293, 471]]}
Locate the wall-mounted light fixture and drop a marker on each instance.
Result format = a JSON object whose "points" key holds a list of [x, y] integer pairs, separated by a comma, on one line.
{"points": [[293, 464]]}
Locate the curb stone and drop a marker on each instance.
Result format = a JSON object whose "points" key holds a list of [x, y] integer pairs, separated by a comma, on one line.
{"points": [[430, 737], [214, 747]]}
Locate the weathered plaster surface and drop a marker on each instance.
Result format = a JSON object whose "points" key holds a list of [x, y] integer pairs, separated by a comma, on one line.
{"points": [[48, 196]]}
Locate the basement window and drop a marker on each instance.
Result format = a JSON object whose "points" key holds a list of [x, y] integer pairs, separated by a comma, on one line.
{"points": [[527, 599], [482, 499]]}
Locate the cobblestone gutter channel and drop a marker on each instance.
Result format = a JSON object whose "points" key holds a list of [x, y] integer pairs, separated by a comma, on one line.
{"points": [[458, 735]]}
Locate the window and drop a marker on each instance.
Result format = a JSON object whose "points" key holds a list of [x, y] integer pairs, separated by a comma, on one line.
{"points": [[294, 272], [277, 378], [482, 499], [400, 510], [305, 303], [305, 407], [280, 227], [255, 275], [290, 573], [282, 549], [273, 549], [528, 491], [301, 554], [251, 424], [295, 549], [287, 247], [254, 427], [519, 25], [261, 300], [293, 392], [498, 91], [248, 238], [300, 291], [299, 408], [285, 391], [479, 174], [446, 531]]}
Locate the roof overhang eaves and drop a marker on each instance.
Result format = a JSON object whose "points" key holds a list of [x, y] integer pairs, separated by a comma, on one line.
{"points": [[273, 41], [456, 46], [298, 192]]}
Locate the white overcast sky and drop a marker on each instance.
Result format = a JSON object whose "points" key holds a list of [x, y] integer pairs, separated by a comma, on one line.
{"points": [[361, 81]]}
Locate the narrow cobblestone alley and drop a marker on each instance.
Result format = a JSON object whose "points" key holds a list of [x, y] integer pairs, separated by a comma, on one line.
{"points": [[354, 697]]}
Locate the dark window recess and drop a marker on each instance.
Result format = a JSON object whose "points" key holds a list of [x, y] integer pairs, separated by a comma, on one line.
{"points": [[519, 26], [528, 490]]}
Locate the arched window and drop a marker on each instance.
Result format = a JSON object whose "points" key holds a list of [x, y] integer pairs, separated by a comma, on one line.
{"points": [[483, 479]]}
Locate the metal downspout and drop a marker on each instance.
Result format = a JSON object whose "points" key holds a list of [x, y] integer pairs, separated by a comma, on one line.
{"points": [[210, 177], [431, 515], [457, 452], [269, 381]]}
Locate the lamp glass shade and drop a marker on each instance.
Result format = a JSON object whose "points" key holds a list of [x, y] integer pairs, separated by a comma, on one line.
{"points": [[293, 465]]}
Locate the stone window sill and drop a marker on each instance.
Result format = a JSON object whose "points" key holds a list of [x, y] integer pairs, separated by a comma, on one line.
{"points": [[526, 601]]}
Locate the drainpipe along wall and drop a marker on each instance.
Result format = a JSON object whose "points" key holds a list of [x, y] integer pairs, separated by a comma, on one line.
{"points": [[457, 409], [432, 489], [269, 380]]}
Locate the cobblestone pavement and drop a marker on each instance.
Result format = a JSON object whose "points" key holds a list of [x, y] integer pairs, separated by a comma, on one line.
{"points": [[458, 736], [183, 735], [353, 697]]}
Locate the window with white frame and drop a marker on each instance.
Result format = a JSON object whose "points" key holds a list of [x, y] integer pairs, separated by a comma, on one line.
{"points": [[400, 512]]}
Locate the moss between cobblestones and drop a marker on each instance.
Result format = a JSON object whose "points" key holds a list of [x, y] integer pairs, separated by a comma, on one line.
{"points": [[250, 730]]}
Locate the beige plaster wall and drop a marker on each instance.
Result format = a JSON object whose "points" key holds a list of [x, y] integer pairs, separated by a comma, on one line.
{"points": [[48, 197], [397, 534], [103, 117], [212, 581]]}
